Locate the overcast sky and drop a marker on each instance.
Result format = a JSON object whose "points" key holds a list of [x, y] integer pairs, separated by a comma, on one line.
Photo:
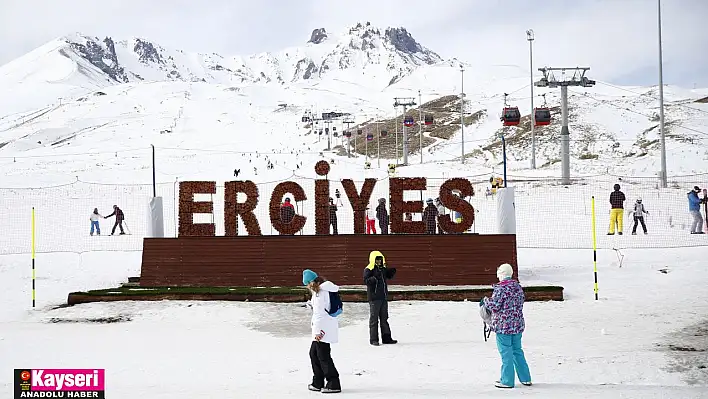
{"points": [[618, 39]]}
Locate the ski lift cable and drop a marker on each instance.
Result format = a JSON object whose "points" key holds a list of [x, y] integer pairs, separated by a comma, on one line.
{"points": [[649, 94]]}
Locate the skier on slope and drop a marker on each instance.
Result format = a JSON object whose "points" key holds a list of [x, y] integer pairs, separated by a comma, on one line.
{"points": [[638, 214], [95, 216], [118, 213], [325, 331]]}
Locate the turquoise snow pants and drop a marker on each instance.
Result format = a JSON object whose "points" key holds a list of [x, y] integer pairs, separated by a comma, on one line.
{"points": [[512, 356]]}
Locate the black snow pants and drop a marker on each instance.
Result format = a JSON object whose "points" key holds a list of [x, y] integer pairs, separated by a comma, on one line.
{"points": [[323, 366], [639, 219], [383, 226], [378, 310], [119, 223]]}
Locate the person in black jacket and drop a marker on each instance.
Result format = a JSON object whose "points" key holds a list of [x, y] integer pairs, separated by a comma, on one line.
{"points": [[382, 215], [375, 276], [118, 213], [430, 217]]}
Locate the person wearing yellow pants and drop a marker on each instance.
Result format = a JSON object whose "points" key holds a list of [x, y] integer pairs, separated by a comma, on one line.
{"points": [[617, 199]]}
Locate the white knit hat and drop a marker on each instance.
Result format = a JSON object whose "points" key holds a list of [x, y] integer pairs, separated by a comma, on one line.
{"points": [[505, 271]]}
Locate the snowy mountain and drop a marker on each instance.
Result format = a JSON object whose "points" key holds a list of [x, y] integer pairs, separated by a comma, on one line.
{"points": [[81, 95]]}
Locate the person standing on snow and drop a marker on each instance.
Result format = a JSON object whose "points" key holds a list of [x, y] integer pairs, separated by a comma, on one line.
{"points": [[287, 212], [694, 207], [376, 275], [94, 221], [617, 199], [382, 215], [441, 211], [507, 305], [333, 215], [370, 221], [118, 213], [325, 331], [638, 214], [430, 217]]}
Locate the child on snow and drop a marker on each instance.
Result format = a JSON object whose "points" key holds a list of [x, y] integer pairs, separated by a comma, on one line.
{"points": [[375, 276], [507, 304], [94, 221], [325, 331], [638, 214]]}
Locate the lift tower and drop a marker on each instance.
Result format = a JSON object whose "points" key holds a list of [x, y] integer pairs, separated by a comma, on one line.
{"points": [[550, 80], [405, 103]]}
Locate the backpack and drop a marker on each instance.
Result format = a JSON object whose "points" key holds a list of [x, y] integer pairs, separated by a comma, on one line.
{"points": [[335, 304]]}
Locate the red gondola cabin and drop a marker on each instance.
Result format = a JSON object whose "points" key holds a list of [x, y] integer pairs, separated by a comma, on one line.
{"points": [[408, 121], [428, 119], [511, 116], [542, 116]]}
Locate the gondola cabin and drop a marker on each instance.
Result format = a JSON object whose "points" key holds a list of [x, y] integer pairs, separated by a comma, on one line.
{"points": [[359, 132], [347, 134], [542, 116], [384, 133], [428, 119], [408, 121], [511, 116], [369, 137]]}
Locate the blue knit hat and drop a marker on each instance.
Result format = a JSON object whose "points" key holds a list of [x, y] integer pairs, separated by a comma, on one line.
{"points": [[307, 276]]}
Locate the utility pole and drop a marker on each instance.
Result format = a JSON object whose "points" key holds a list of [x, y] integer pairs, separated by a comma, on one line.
{"points": [[378, 143], [420, 124], [663, 179], [462, 110], [329, 141], [348, 122], [405, 103], [577, 79], [530, 37]]}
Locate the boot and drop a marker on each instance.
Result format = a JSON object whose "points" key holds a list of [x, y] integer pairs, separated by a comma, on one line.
{"points": [[386, 339], [314, 388], [374, 343], [333, 386]]}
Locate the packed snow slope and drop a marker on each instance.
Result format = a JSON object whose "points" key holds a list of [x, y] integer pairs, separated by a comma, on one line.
{"points": [[105, 102]]}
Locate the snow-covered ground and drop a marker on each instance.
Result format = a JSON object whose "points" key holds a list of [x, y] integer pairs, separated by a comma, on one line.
{"points": [[628, 344]]}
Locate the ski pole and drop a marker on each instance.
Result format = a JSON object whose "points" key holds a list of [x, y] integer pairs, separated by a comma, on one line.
{"points": [[126, 227]]}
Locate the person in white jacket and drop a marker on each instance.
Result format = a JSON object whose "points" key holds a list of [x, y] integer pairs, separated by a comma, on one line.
{"points": [[94, 221], [325, 331]]}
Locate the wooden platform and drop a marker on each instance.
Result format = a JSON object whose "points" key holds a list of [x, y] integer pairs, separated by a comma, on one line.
{"points": [[278, 261], [299, 294]]}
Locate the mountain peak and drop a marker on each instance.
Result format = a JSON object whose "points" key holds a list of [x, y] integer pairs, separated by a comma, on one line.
{"points": [[318, 36]]}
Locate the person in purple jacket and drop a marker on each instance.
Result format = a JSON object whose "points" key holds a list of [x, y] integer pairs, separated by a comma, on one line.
{"points": [[507, 307]]}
